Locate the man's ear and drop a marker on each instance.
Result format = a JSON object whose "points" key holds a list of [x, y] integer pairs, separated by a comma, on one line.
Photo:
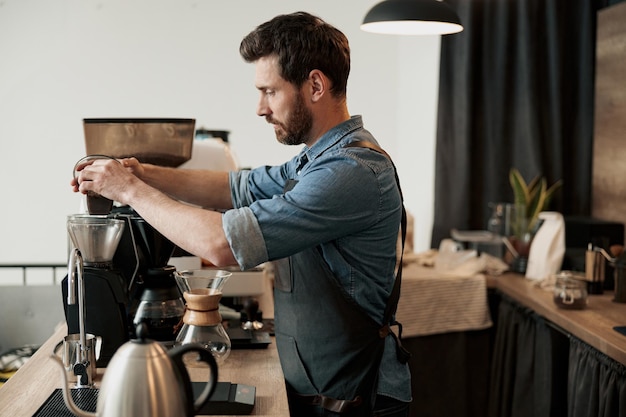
{"points": [[319, 84]]}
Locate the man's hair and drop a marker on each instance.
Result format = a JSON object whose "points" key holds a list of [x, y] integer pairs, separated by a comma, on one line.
{"points": [[302, 42]]}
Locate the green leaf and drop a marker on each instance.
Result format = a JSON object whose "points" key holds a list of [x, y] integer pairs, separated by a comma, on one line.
{"points": [[536, 204], [532, 185], [520, 189], [551, 191]]}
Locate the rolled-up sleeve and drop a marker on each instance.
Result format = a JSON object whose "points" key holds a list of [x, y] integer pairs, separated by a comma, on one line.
{"points": [[242, 225], [245, 238], [239, 190]]}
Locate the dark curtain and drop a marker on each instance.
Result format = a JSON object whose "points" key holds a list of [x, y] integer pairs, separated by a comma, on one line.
{"points": [[516, 90], [529, 367], [597, 383]]}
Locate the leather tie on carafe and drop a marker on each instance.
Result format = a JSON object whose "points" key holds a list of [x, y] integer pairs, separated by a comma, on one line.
{"points": [[202, 307]]}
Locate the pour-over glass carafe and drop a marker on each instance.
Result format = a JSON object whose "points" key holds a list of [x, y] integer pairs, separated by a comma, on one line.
{"points": [[202, 322]]}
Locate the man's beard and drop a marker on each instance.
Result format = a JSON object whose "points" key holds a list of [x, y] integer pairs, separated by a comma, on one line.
{"points": [[296, 129]]}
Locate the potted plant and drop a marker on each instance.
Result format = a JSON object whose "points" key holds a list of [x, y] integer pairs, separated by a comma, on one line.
{"points": [[529, 200]]}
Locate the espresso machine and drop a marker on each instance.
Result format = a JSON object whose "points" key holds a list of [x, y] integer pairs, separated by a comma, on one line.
{"points": [[136, 285]]}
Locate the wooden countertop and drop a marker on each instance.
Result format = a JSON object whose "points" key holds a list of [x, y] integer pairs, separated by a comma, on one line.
{"points": [[593, 325], [30, 387]]}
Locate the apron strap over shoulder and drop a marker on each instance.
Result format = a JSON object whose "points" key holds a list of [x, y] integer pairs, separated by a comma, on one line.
{"points": [[392, 303]]}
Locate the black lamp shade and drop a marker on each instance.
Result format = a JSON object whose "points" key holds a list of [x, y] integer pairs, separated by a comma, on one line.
{"points": [[412, 17]]}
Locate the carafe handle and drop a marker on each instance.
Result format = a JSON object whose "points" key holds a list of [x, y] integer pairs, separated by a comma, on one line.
{"points": [[204, 355]]}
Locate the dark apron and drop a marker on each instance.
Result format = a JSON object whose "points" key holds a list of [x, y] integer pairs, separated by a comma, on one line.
{"points": [[334, 372], [336, 369]]}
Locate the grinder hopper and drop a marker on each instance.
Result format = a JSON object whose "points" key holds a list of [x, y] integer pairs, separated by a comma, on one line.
{"points": [[166, 142]]}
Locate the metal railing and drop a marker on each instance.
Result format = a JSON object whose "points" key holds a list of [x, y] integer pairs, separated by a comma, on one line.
{"points": [[26, 267]]}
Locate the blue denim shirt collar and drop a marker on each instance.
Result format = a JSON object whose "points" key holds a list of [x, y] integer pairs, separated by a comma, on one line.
{"points": [[330, 138]]}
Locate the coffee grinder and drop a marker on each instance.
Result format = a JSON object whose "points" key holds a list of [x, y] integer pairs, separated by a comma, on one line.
{"points": [[143, 253], [98, 286]]}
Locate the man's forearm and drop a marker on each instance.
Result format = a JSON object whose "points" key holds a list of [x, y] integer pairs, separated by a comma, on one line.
{"points": [[176, 220], [199, 187]]}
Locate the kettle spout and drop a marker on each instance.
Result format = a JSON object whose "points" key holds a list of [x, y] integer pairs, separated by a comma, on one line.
{"points": [[67, 397]]}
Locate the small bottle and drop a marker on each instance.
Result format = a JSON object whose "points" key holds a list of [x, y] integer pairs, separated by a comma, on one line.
{"points": [[594, 270], [495, 225]]}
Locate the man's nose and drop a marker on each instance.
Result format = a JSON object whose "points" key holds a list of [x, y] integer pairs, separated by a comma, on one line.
{"points": [[262, 108]]}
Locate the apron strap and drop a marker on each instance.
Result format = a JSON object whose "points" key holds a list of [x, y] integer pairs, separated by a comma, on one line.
{"points": [[392, 302]]}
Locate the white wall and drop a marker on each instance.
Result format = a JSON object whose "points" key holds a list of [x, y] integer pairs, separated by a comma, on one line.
{"points": [[65, 60]]}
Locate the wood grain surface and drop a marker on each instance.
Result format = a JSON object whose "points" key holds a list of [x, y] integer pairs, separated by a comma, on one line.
{"points": [[29, 388], [609, 150], [593, 325]]}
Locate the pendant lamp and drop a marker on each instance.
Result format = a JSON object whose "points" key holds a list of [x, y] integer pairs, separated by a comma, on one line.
{"points": [[412, 17]]}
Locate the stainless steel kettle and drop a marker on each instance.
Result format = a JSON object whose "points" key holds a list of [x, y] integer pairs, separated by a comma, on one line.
{"points": [[143, 379]]}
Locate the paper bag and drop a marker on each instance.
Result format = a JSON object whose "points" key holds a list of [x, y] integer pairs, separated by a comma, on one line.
{"points": [[548, 247]]}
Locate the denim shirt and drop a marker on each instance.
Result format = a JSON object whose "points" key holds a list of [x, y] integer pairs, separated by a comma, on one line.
{"points": [[344, 201]]}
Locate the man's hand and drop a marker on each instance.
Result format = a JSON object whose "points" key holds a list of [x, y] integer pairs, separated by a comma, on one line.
{"points": [[111, 178]]}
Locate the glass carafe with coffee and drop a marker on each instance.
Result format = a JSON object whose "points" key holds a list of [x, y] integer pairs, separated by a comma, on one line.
{"points": [[155, 297]]}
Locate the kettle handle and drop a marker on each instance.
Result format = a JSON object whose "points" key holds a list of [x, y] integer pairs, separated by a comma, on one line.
{"points": [[204, 355]]}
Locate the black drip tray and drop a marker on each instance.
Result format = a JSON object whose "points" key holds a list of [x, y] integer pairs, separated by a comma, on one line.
{"points": [[85, 398], [227, 399]]}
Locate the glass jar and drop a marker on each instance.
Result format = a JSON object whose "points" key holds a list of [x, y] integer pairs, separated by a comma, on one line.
{"points": [[570, 291]]}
